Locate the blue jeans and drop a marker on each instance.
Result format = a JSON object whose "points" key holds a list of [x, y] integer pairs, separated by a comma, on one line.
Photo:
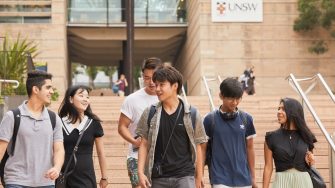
{"points": [[21, 186]]}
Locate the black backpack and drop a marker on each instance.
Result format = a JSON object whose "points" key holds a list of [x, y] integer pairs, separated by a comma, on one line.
{"points": [[17, 120], [153, 111], [241, 115]]}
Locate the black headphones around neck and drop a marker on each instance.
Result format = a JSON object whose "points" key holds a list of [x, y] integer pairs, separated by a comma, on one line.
{"points": [[228, 115]]}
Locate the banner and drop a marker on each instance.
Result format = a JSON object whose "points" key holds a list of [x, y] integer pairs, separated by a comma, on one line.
{"points": [[237, 10]]}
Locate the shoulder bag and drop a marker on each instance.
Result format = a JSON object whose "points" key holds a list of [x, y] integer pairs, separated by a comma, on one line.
{"points": [[61, 180]]}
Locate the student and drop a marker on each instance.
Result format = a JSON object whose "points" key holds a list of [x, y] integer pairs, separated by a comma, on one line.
{"points": [[39, 151], [131, 111], [167, 153], [78, 118], [122, 84], [290, 147], [231, 134]]}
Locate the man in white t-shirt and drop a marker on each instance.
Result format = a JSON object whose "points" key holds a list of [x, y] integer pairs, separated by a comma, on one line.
{"points": [[131, 111]]}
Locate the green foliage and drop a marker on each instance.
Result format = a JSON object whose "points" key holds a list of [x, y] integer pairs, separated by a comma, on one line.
{"points": [[92, 72], [316, 14], [318, 47], [13, 62], [55, 95]]}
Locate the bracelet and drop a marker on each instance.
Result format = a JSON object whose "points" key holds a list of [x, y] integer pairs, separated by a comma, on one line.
{"points": [[104, 179]]}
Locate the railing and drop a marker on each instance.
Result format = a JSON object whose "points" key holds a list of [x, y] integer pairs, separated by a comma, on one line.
{"points": [[332, 162], [208, 90], [294, 83]]}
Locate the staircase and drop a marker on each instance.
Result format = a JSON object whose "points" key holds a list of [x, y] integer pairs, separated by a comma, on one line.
{"points": [[263, 109]]}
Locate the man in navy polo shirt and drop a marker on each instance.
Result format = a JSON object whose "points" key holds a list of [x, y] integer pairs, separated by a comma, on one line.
{"points": [[231, 134]]}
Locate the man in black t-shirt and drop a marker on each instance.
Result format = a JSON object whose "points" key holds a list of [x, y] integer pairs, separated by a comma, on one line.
{"points": [[170, 142]]}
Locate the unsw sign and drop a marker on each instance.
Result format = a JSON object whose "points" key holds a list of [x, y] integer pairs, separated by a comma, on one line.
{"points": [[237, 10]]}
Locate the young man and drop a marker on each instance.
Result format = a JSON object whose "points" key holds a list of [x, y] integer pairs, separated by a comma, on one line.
{"points": [[131, 111], [39, 151], [170, 141], [231, 135]]}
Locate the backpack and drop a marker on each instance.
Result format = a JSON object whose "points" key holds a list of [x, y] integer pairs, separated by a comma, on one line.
{"points": [[241, 115], [17, 120], [153, 111]]}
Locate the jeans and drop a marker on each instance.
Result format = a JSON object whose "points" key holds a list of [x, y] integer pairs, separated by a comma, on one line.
{"points": [[21, 186], [183, 182]]}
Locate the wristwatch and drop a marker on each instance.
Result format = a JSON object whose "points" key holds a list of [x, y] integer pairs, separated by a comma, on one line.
{"points": [[104, 179]]}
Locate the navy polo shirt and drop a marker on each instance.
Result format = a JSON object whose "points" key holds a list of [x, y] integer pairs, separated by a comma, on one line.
{"points": [[229, 164]]}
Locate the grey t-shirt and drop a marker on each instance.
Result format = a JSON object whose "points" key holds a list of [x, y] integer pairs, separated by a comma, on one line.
{"points": [[33, 155]]}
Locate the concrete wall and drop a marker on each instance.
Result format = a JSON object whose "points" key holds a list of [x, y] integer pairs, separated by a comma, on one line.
{"points": [[51, 40], [272, 46], [189, 62]]}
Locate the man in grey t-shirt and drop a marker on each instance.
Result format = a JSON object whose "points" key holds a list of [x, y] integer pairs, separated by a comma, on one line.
{"points": [[39, 151]]}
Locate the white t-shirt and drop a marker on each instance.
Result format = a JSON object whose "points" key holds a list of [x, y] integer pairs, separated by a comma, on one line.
{"points": [[133, 107]]}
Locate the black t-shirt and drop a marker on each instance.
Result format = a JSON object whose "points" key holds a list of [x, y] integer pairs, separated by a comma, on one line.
{"points": [[288, 149], [178, 158]]}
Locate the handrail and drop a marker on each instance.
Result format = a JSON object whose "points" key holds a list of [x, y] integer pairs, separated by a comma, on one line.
{"points": [[311, 109], [325, 85], [212, 106], [11, 81], [184, 94]]}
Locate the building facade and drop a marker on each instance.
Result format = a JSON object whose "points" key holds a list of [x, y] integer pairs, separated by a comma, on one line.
{"points": [[93, 32]]}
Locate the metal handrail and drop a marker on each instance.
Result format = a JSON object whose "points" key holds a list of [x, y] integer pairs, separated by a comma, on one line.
{"points": [[311, 109], [12, 82], [325, 85], [212, 106], [184, 95]]}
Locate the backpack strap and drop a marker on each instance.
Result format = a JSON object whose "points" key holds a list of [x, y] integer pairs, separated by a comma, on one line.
{"points": [[17, 121], [193, 115], [243, 117], [211, 130], [52, 116], [151, 114]]}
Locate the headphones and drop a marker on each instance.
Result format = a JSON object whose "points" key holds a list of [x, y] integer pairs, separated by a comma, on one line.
{"points": [[228, 115]]}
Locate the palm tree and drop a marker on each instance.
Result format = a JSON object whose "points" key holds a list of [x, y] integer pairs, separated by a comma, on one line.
{"points": [[13, 62]]}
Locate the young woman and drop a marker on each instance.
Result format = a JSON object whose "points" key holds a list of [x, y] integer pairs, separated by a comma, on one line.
{"points": [[290, 147], [122, 83], [78, 118]]}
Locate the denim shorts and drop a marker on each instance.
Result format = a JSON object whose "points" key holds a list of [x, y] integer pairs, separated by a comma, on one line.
{"points": [[132, 171]]}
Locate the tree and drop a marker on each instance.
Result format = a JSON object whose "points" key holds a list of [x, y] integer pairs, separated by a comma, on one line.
{"points": [[109, 71], [13, 62], [314, 15], [92, 72]]}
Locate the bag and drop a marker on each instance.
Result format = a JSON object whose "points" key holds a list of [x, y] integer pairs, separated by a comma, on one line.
{"points": [[115, 88], [17, 121], [157, 170], [61, 181], [316, 178], [208, 160]]}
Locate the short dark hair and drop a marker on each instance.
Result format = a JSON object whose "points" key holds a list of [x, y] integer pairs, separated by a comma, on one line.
{"points": [[231, 87], [151, 63], [67, 108], [170, 74], [36, 78]]}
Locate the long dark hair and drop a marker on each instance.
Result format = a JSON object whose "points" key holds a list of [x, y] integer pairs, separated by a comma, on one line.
{"points": [[295, 113], [67, 108]]}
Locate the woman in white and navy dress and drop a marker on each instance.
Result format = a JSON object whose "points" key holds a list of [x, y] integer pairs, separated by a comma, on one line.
{"points": [[78, 118]]}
